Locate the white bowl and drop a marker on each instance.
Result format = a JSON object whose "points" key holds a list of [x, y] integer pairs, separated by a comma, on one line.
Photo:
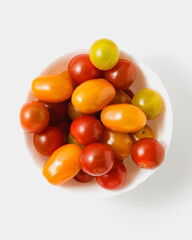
{"points": [[162, 127]]}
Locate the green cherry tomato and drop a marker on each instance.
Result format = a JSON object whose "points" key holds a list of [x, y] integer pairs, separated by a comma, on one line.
{"points": [[149, 101], [71, 140], [104, 54]]}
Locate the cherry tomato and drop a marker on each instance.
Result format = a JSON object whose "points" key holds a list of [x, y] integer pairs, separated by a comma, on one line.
{"points": [[72, 140], [92, 95], [115, 178], [63, 164], [47, 141], [86, 129], [65, 74], [120, 143], [123, 118], [122, 75], [57, 112], [52, 88], [129, 92], [145, 132], [64, 127], [81, 69], [74, 113], [148, 153], [96, 159], [121, 97], [34, 117], [104, 54], [149, 101], [83, 177]]}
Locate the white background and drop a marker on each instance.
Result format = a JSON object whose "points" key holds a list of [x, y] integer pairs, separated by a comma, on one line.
{"points": [[33, 34]]}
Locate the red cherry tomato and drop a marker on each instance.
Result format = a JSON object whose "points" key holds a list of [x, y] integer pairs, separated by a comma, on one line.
{"points": [[57, 112], [81, 69], [64, 127], [83, 177], [34, 117], [115, 178], [86, 129], [96, 159], [47, 141], [129, 92], [122, 75], [148, 153]]}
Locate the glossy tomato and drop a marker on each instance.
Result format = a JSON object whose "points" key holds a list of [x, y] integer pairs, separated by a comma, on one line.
{"points": [[123, 118], [96, 159], [52, 88], [115, 178], [34, 117], [81, 69], [121, 97], [65, 74], [86, 129], [83, 177], [129, 92], [64, 127], [122, 75], [92, 95], [148, 153], [120, 143], [57, 112], [47, 141], [104, 54], [72, 140], [63, 164], [145, 132], [149, 101]]}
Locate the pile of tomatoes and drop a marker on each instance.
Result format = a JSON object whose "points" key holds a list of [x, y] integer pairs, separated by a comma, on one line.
{"points": [[88, 121]]}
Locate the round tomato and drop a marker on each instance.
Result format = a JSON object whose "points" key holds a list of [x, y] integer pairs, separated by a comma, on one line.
{"points": [[81, 69], [86, 129], [148, 153], [65, 74], [72, 140], [34, 117], [145, 132], [83, 177], [96, 159], [64, 127], [63, 164], [47, 141], [120, 143], [121, 97], [92, 95], [104, 54], [52, 88], [149, 101], [57, 112], [115, 178], [129, 92], [122, 75]]}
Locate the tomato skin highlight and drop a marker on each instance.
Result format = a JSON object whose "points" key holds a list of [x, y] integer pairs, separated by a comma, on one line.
{"points": [[96, 159], [92, 95], [124, 118], [86, 129], [81, 69], [148, 153], [63, 164], [122, 75], [47, 141], [52, 88], [83, 177], [115, 178], [34, 117]]}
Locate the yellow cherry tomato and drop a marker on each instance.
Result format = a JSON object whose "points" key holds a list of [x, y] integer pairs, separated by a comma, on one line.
{"points": [[91, 96], [123, 118], [104, 54], [145, 132], [63, 164], [52, 88]]}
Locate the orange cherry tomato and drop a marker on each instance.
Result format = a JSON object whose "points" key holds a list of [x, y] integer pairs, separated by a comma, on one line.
{"points": [[52, 88], [123, 118], [92, 95], [121, 97], [66, 76], [120, 143], [63, 164], [145, 132]]}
